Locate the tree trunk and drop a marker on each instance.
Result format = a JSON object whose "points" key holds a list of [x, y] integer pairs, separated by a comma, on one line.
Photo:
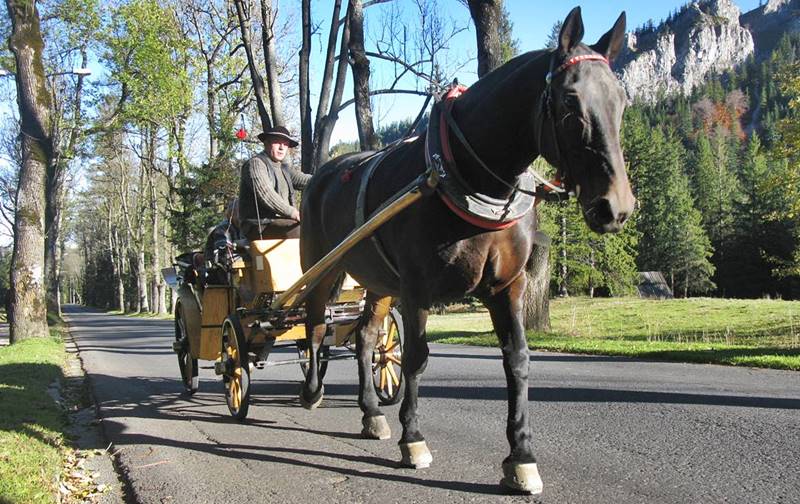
{"points": [[52, 265], [211, 113], [537, 300], [306, 133], [28, 308], [325, 124], [243, 14], [141, 281], [562, 287], [486, 16], [360, 66], [591, 273], [157, 296], [271, 62]]}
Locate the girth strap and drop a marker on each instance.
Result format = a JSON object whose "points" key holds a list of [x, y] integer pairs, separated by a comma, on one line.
{"points": [[361, 210]]}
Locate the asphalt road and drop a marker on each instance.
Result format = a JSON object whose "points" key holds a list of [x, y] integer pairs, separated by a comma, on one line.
{"points": [[606, 430]]}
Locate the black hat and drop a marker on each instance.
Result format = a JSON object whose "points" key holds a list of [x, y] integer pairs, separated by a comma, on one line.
{"points": [[280, 132]]}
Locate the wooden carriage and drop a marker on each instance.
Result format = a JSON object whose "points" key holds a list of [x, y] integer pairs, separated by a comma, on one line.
{"points": [[229, 317]]}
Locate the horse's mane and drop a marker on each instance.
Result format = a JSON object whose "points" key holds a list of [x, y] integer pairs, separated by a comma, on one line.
{"points": [[509, 68]]}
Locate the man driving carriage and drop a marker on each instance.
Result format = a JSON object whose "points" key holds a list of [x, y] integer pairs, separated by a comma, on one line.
{"points": [[267, 189]]}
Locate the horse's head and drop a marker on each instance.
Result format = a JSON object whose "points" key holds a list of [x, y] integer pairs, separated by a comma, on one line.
{"points": [[579, 123]]}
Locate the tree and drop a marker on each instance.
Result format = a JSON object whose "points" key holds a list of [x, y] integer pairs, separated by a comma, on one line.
{"points": [[27, 307], [360, 67], [676, 242]]}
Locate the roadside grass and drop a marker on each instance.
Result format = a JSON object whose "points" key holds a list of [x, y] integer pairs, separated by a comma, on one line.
{"points": [[32, 440], [757, 333]]}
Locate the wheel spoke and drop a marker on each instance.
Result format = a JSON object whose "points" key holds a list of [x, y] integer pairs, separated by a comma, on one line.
{"points": [[382, 383], [392, 358], [395, 379], [389, 388], [390, 335]]}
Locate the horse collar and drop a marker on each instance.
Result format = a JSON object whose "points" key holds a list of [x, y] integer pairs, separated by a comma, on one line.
{"points": [[478, 209]]}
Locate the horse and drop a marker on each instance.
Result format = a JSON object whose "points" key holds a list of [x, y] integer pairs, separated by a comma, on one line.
{"points": [[563, 104]]}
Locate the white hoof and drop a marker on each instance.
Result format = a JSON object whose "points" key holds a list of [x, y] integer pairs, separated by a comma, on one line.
{"points": [[522, 478], [375, 427], [416, 455]]}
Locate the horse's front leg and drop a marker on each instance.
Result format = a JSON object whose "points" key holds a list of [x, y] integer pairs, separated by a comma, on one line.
{"points": [[413, 449], [373, 422], [519, 468], [312, 391]]}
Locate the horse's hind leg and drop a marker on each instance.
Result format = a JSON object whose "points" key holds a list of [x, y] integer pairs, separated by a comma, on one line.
{"points": [[519, 468], [374, 422], [312, 391], [413, 448]]}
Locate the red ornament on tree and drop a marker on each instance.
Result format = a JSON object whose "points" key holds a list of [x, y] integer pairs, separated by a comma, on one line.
{"points": [[241, 133]]}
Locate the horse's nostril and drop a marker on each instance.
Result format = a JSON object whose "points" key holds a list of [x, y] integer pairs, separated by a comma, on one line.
{"points": [[622, 217]]}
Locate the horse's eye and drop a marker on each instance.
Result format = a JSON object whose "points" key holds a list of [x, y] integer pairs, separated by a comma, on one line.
{"points": [[571, 101]]}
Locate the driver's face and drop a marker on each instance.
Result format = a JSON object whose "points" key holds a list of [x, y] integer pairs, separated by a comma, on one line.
{"points": [[276, 148]]}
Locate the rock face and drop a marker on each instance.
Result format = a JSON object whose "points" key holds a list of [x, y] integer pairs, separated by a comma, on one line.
{"points": [[769, 22], [705, 37]]}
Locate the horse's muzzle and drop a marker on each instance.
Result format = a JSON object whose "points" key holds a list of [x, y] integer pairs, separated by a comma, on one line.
{"points": [[602, 217]]}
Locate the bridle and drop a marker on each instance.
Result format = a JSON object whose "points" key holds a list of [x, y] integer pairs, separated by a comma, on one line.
{"points": [[546, 109]]}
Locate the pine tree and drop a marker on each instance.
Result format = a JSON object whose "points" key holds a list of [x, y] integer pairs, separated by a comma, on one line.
{"points": [[677, 244]]}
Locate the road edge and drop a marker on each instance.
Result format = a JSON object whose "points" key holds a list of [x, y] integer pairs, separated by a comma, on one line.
{"points": [[86, 425]]}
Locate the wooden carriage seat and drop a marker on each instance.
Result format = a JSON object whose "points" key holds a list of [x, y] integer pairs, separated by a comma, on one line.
{"points": [[273, 266]]}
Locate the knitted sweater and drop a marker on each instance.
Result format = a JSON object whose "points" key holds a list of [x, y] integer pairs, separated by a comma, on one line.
{"points": [[269, 185]]}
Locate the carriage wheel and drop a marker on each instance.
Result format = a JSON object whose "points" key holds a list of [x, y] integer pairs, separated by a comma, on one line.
{"points": [[387, 360], [187, 365], [304, 352], [237, 368]]}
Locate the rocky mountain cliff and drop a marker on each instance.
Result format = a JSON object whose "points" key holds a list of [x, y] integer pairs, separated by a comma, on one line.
{"points": [[703, 37]]}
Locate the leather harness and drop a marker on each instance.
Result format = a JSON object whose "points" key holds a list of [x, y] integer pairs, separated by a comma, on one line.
{"points": [[478, 209]]}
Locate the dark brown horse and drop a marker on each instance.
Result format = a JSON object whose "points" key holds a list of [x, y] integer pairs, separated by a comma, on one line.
{"points": [[565, 105]]}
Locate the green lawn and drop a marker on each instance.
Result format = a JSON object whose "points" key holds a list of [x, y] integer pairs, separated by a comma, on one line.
{"points": [[31, 424], [761, 333]]}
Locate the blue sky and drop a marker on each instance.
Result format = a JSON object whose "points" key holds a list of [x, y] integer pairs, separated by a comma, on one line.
{"points": [[532, 22]]}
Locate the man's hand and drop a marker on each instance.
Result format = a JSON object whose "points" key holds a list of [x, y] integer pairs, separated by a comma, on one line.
{"points": [[295, 215]]}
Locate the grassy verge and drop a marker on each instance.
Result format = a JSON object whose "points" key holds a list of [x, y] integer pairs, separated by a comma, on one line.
{"points": [[758, 333], [32, 443]]}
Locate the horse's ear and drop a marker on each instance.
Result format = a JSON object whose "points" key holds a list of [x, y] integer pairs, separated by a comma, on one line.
{"points": [[571, 31], [610, 44]]}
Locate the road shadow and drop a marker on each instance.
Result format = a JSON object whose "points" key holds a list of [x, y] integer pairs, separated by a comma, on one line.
{"points": [[289, 456], [162, 399]]}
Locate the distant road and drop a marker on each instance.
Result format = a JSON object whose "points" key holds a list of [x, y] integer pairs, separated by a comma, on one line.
{"points": [[606, 430]]}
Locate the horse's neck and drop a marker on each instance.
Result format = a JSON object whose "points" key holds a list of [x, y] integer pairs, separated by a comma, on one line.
{"points": [[498, 116]]}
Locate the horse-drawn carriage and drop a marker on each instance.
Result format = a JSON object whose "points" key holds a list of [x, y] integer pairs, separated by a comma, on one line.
{"points": [[474, 234], [224, 314]]}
